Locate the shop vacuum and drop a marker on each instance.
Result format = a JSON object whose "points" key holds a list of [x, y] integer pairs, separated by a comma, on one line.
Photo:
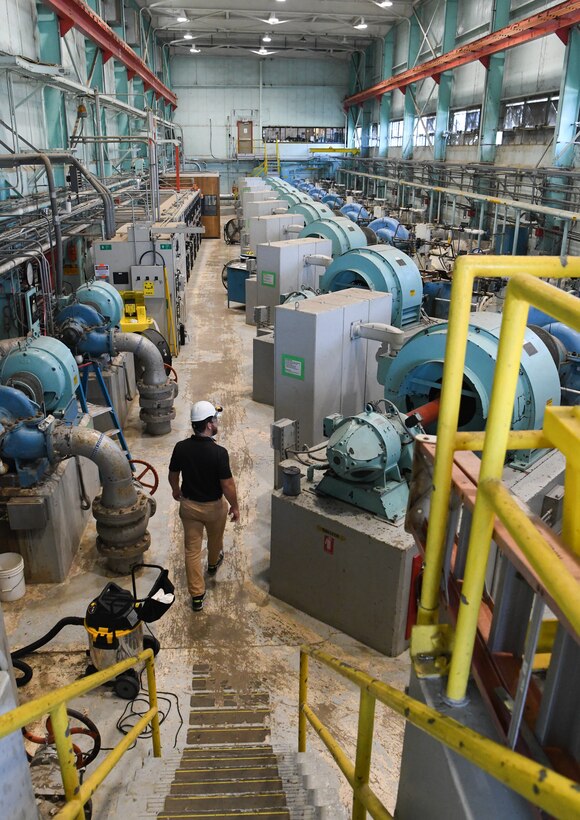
{"points": [[114, 624]]}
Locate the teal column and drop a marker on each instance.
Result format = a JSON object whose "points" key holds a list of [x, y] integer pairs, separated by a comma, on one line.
{"points": [[564, 141], [493, 88], [569, 104], [445, 83], [386, 99], [53, 100], [410, 110]]}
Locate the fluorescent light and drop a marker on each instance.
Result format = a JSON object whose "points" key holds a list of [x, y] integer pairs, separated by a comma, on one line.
{"points": [[361, 24], [194, 50], [188, 36], [266, 38], [182, 19], [384, 4]]}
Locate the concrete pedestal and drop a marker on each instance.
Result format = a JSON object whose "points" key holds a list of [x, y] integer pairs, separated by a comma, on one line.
{"points": [[119, 378], [343, 566], [263, 369], [52, 510]]}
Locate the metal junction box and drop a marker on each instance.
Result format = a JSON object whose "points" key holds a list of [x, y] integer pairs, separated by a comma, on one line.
{"points": [[318, 368], [281, 268], [343, 566]]}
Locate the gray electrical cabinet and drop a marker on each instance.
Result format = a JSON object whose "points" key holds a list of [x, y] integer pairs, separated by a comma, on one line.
{"points": [[272, 228], [319, 368], [342, 565], [282, 268]]}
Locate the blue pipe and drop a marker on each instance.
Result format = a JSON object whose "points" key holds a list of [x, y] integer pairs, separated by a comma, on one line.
{"points": [[570, 338]]}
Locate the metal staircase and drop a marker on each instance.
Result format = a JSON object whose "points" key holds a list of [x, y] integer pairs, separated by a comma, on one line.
{"points": [[229, 768]]}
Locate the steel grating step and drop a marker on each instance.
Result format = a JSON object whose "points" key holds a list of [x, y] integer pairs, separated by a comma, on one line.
{"points": [[190, 773], [229, 786], [227, 735], [220, 802], [275, 814], [227, 716]]}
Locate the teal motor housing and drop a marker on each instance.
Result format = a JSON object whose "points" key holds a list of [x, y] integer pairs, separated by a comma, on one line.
{"points": [[344, 234], [413, 377], [370, 457], [44, 370], [105, 299], [311, 211], [293, 197], [381, 268]]}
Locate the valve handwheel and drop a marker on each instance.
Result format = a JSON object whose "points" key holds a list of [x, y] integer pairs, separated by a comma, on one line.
{"points": [[171, 371], [87, 729], [151, 483]]}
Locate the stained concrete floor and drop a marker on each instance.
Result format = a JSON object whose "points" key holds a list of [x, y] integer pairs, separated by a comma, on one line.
{"points": [[243, 632]]}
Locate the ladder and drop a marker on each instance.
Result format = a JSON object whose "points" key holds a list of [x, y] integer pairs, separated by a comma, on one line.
{"points": [[96, 409]]}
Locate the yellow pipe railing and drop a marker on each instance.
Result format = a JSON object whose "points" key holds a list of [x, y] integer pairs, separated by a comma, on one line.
{"points": [[522, 290], [467, 269], [550, 791], [54, 704]]}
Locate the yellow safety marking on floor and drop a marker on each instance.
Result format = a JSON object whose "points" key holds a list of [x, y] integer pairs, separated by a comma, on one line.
{"points": [[220, 782], [221, 796], [281, 812]]}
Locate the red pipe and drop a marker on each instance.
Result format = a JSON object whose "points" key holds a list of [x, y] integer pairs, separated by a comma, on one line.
{"points": [[177, 177], [428, 413]]}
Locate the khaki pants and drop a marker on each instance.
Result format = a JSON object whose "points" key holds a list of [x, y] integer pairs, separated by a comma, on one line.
{"points": [[197, 516]]}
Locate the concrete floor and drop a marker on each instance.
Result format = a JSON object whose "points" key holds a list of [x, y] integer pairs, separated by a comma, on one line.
{"points": [[242, 632]]}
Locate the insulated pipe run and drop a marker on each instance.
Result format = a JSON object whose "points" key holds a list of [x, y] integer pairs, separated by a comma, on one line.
{"points": [[15, 160]]}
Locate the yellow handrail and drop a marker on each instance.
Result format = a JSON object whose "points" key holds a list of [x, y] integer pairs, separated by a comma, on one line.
{"points": [[522, 291], [467, 268], [55, 704], [543, 787]]}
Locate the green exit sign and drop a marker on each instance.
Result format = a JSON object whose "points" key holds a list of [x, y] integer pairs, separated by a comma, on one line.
{"points": [[106, 247], [165, 246]]}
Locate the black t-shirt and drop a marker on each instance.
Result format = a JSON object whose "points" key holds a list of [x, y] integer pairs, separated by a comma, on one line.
{"points": [[202, 464]]}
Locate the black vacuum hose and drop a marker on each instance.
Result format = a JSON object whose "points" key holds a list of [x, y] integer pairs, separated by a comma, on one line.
{"points": [[71, 620]]}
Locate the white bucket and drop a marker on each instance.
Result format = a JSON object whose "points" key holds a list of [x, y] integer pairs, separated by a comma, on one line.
{"points": [[11, 576]]}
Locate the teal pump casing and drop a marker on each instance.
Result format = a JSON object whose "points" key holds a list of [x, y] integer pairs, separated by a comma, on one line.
{"points": [[369, 456], [413, 377], [381, 268], [104, 298], [45, 370], [344, 234], [311, 211]]}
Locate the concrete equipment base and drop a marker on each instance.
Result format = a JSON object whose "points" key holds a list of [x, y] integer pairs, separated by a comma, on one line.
{"points": [[436, 782], [263, 369], [343, 566], [53, 507], [119, 378]]}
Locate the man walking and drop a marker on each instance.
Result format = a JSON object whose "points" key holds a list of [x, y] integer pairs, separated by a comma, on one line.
{"points": [[206, 485]]}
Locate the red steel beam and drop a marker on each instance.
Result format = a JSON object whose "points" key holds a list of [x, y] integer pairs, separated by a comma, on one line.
{"points": [[558, 19], [76, 14]]}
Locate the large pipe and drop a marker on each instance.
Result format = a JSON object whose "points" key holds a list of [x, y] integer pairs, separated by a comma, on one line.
{"points": [[121, 511], [156, 392], [15, 160]]}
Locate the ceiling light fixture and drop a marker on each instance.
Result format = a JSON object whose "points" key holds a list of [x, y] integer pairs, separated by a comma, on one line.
{"points": [[361, 24], [182, 19], [272, 19], [188, 36], [266, 38], [194, 50], [263, 52], [384, 4]]}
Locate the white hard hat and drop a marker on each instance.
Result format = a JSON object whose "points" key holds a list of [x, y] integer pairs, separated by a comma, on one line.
{"points": [[202, 410]]}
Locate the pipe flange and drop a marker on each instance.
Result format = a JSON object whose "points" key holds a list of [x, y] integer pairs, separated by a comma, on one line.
{"points": [[157, 421], [114, 517], [121, 560], [156, 392]]}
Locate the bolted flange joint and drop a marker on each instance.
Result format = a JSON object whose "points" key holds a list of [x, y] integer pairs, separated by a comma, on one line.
{"points": [[122, 535], [157, 410]]}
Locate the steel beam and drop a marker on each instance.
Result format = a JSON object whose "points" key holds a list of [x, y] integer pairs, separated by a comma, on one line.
{"points": [[76, 14], [445, 83], [493, 87], [385, 101], [566, 135], [409, 91], [558, 19]]}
